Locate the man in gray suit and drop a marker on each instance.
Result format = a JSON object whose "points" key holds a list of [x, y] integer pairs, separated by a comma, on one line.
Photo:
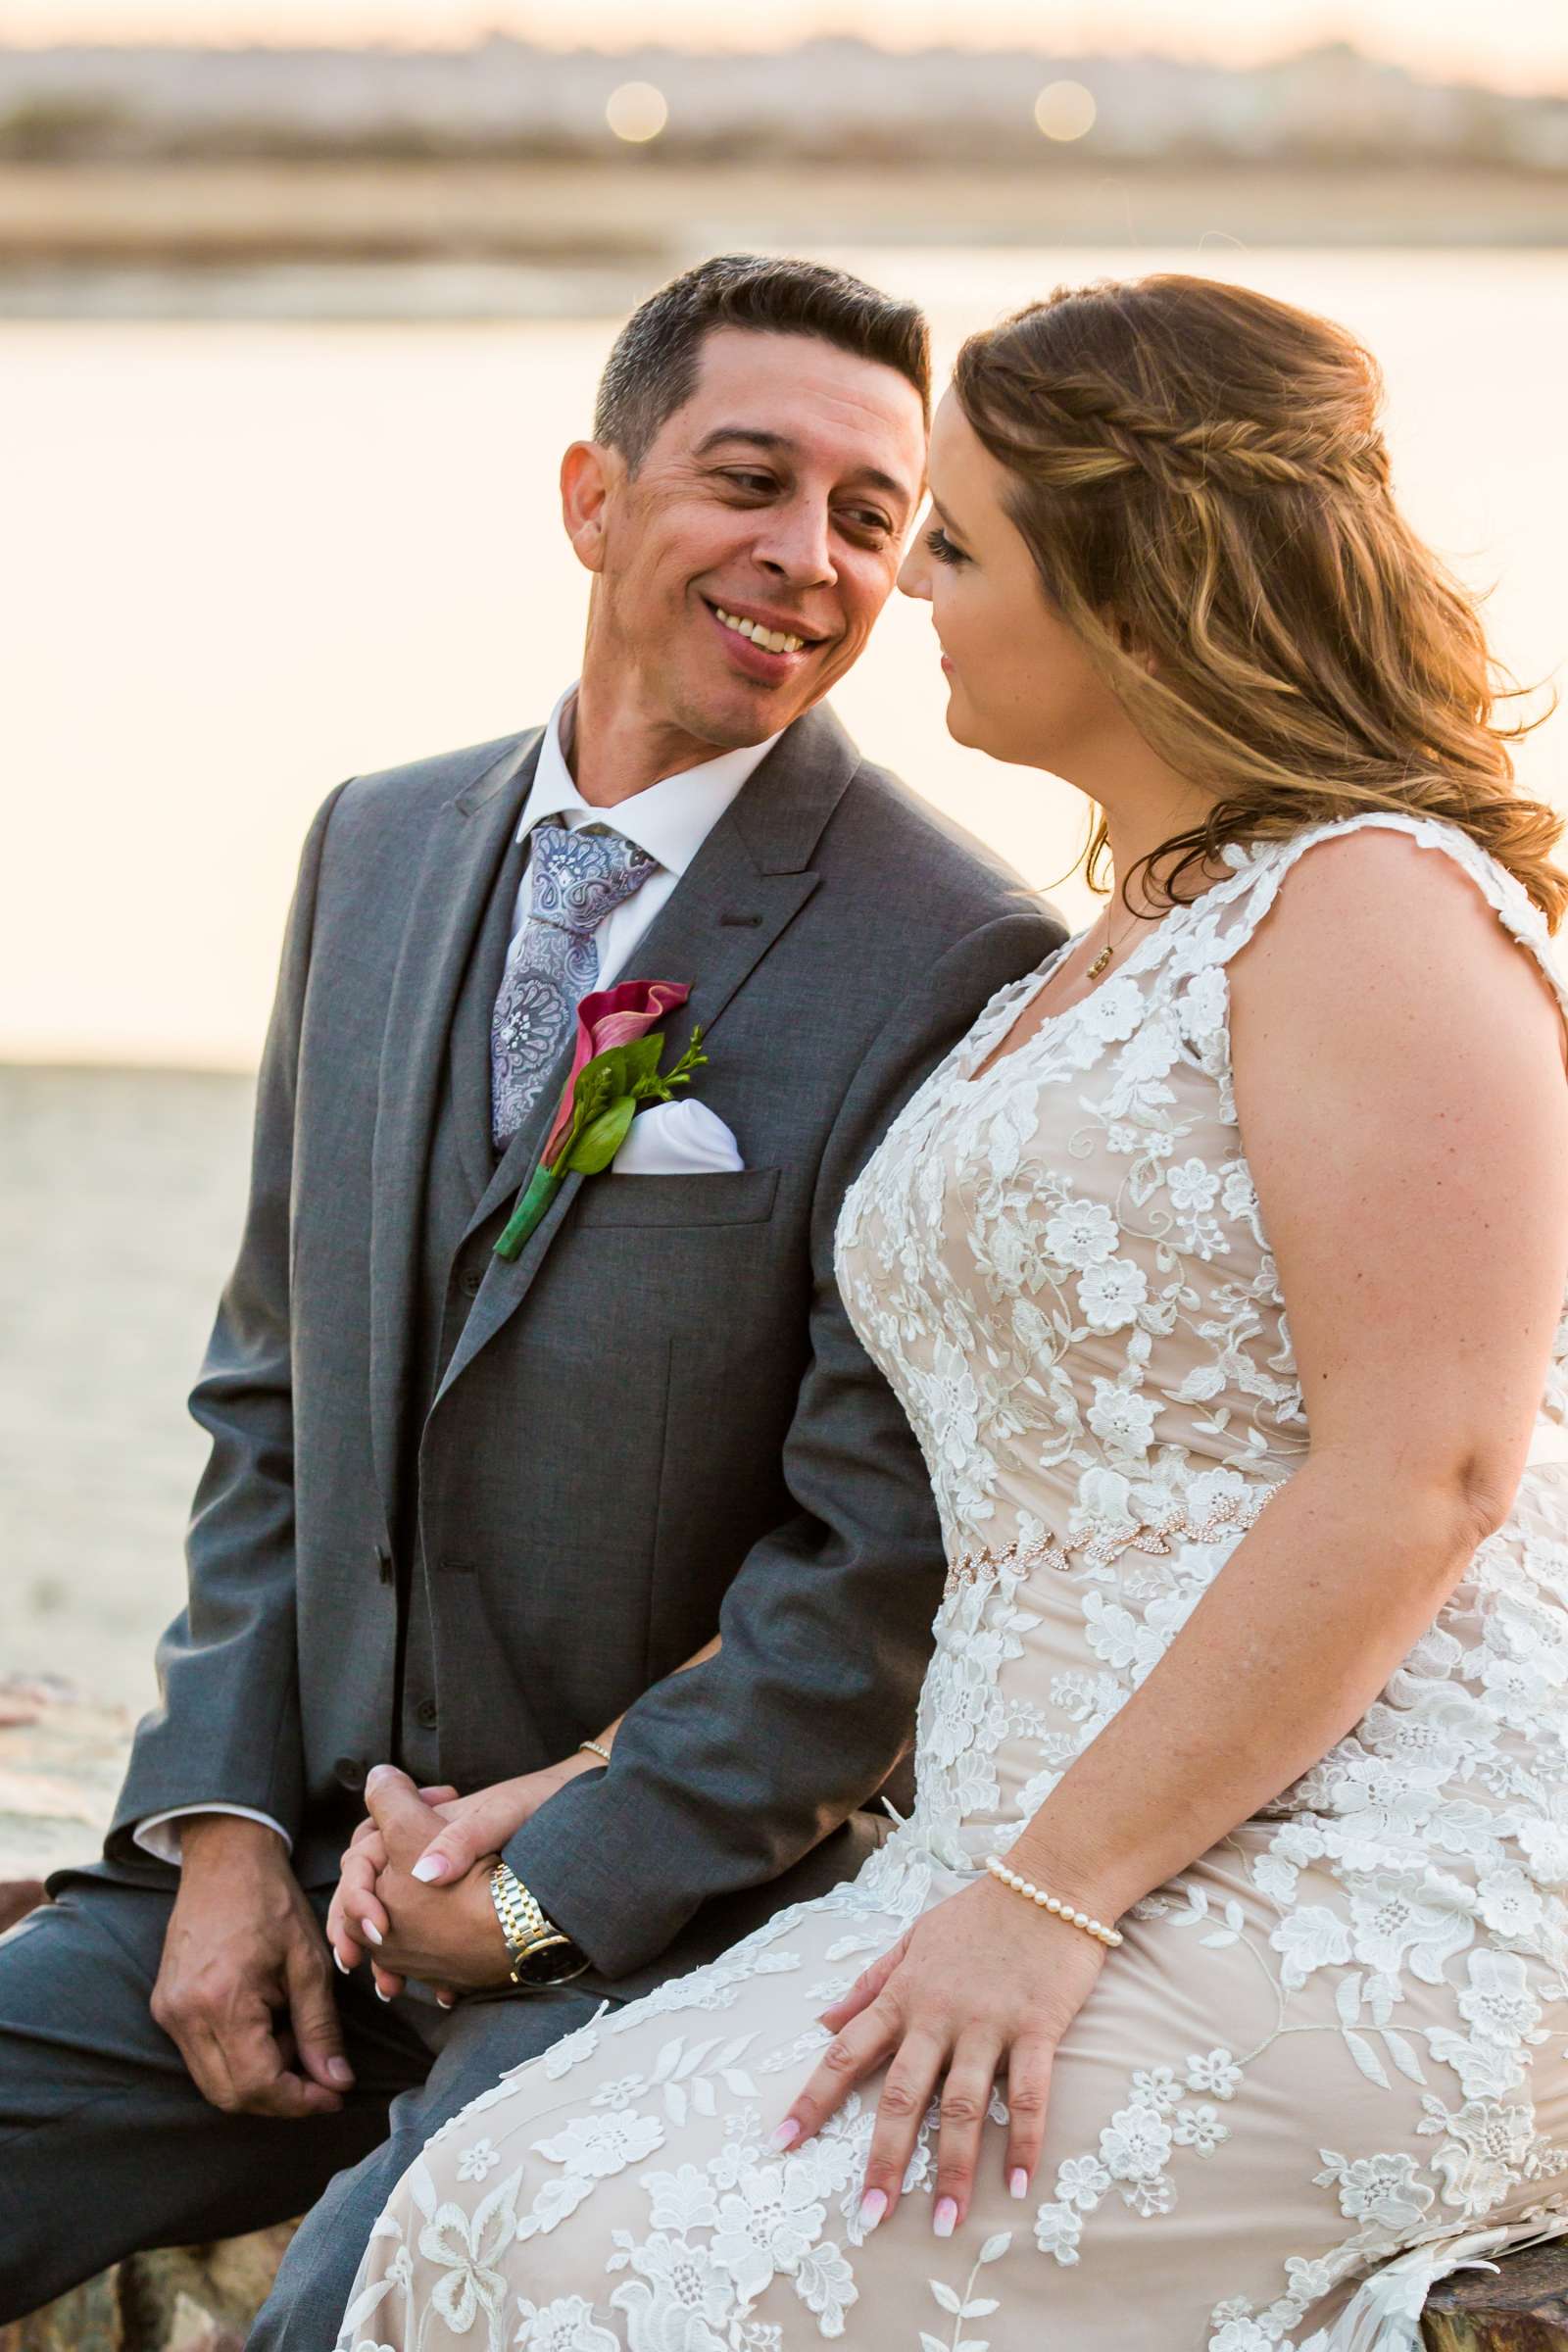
{"points": [[463, 1512]]}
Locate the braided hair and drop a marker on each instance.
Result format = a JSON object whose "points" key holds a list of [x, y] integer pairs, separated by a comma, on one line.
{"points": [[1200, 477]]}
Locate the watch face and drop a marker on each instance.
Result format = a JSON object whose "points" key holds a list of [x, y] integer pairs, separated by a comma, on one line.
{"points": [[555, 1961]]}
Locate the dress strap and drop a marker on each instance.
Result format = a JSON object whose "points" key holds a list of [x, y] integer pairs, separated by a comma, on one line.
{"points": [[1239, 903]]}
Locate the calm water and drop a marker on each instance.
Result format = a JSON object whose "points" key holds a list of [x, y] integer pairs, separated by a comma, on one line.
{"points": [[256, 559]]}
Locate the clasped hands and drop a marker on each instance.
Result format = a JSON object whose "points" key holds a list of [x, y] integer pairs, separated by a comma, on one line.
{"points": [[984, 1985], [413, 1897]]}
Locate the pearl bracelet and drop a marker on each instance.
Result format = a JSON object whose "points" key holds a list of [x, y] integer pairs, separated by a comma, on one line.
{"points": [[1111, 1937]]}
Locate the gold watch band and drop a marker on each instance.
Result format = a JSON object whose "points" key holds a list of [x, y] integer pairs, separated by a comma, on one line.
{"points": [[534, 1944]]}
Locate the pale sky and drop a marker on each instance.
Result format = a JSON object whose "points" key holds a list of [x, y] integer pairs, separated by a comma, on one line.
{"points": [[1517, 44]]}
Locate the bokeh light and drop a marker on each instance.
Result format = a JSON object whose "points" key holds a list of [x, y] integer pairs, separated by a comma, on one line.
{"points": [[1064, 110], [636, 111]]}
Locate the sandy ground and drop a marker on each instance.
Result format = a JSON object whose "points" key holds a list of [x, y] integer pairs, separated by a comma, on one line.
{"points": [[120, 1211]]}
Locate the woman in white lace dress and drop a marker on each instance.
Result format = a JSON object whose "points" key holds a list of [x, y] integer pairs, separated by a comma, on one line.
{"points": [[1221, 1272]]}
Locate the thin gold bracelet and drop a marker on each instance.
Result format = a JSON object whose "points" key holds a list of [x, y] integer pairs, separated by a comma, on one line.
{"points": [[592, 1747], [1109, 1937]]}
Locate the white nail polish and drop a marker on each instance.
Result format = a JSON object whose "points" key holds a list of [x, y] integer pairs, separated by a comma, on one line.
{"points": [[1018, 2181], [338, 1962], [787, 2133], [429, 1868], [383, 1996], [945, 2218], [371, 1931], [874, 2205]]}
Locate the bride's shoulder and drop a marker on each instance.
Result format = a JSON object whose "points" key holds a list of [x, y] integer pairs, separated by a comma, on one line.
{"points": [[1367, 865], [1385, 914]]}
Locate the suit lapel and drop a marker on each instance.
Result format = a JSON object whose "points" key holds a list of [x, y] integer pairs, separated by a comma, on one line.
{"points": [[744, 888], [467, 843]]}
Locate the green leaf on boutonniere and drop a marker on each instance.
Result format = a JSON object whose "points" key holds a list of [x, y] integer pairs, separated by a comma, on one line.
{"points": [[599, 1143], [623, 1074], [597, 1086], [605, 1098], [639, 1061], [693, 1058], [630, 1070]]}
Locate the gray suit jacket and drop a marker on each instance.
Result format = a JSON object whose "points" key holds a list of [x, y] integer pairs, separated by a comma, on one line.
{"points": [[656, 1424]]}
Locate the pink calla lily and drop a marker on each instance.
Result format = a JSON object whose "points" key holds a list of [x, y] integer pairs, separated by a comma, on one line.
{"points": [[586, 1134], [607, 1017]]}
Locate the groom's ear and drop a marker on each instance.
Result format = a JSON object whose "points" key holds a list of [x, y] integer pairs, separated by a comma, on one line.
{"points": [[588, 473]]}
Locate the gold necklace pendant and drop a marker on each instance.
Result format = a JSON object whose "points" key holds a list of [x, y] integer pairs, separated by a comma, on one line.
{"points": [[1109, 949], [1105, 953]]}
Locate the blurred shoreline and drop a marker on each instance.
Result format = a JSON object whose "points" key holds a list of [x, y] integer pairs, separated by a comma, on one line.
{"points": [[584, 239]]}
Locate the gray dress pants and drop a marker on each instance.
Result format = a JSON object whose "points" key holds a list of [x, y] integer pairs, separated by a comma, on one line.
{"points": [[107, 2147]]}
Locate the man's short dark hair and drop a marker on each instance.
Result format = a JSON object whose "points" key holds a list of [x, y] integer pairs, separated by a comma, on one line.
{"points": [[652, 368]]}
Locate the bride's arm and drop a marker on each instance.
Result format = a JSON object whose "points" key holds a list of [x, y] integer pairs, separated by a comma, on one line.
{"points": [[1398, 1068]]}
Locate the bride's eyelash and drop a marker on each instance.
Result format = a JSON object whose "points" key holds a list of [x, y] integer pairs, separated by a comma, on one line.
{"points": [[943, 548]]}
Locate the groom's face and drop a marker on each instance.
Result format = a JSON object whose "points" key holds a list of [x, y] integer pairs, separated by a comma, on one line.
{"points": [[775, 501]]}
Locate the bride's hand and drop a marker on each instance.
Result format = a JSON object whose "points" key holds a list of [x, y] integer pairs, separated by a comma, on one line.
{"points": [[355, 1919], [472, 1827], [982, 1985], [482, 1824]]}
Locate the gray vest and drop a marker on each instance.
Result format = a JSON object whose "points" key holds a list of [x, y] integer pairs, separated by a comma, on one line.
{"points": [[462, 1164]]}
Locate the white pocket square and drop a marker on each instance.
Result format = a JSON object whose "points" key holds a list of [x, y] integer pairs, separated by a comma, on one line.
{"points": [[677, 1138]]}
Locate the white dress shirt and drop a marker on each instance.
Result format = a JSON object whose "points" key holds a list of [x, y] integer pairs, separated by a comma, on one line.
{"points": [[670, 819]]}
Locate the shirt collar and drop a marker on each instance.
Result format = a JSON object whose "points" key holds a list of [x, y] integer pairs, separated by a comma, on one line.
{"points": [[670, 819]]}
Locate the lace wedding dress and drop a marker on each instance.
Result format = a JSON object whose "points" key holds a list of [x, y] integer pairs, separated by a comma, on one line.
{"points": [[1326, 2064]]}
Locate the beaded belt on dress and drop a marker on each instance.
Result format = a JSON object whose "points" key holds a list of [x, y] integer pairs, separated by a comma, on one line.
{"points": [[1097, 1548]]}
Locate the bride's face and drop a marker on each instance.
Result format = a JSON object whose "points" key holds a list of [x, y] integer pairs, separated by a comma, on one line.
{"points": [[1020, 685]]}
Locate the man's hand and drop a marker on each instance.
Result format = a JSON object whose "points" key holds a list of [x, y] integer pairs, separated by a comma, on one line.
{"points": [[448, 1936], [244, 1945], [457, 1831]]}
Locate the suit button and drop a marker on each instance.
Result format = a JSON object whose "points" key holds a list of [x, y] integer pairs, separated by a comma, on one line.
{"points": [[471, 1280], [349, 1772], [425, 1714]]}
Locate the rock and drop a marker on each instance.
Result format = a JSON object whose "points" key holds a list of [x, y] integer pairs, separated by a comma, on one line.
{"points": [[18, 1897], [87, 2321], [181, 2299], [1522, 2306]]}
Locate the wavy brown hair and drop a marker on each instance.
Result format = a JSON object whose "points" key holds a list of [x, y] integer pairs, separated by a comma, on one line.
{"points": [[1202, 481]]}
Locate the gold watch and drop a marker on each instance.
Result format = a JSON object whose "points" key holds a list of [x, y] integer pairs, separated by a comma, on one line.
{"points": [[541, 1953]]}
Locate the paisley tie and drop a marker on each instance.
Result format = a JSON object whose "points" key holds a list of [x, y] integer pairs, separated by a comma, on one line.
{"points": [[577, 880]]}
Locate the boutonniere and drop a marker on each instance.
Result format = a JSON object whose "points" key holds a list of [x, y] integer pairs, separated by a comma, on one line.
{"points": [[614, 1069]]}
